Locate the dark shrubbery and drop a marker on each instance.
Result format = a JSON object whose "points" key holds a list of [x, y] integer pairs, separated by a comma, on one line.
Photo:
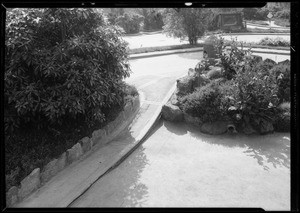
{"points": [[61, 64], [63, 79], [255, 95], [282, 74], [131, 23], [208, 102], [153, 19], [250, 94], [255, 13]]}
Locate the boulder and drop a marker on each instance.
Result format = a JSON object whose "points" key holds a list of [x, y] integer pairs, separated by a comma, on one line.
{"points": [[12, 196], [171, 112], [214, 128], [185, 85], [174, 100], [191, 72], [200, 67], [195, 121], [29, 184], [214, 72]]}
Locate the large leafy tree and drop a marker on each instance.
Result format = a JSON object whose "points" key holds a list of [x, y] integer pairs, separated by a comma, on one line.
{"points": [[186, 23], [61, 64]]}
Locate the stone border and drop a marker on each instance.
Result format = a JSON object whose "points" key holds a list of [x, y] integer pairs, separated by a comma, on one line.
{"points": [[38, 177]]}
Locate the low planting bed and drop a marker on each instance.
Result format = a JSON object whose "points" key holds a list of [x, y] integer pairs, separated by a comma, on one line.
{"points": [[237, 92], [30, 152]]}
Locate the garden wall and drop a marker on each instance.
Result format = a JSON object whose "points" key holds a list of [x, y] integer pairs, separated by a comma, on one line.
{"points": [[38, 177]]}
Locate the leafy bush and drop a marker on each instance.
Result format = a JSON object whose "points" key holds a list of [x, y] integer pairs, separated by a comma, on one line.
{"points": [[208, 102], [131, 23], [282, 14], [232, 57], [61, 64], [255, 13], [254, 96], [186, 23], [282, 74], [153, 19], [274, 42]]}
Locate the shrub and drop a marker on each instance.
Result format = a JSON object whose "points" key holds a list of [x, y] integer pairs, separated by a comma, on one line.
{"points": [[254, 96], [282, 14], [274, 42], [131, 23], [208, 102], [61, 64], [282, 74], [230, 58], [255, 13], [153, 19]]}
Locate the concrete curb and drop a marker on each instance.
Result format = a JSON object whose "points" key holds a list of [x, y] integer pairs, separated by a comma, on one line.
{"points": [[139, 140], [197, 49], [37, 178], [267, 26], [161, 53]]}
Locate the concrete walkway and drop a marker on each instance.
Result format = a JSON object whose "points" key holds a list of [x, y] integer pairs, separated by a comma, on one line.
{"points": [[177, 166]]}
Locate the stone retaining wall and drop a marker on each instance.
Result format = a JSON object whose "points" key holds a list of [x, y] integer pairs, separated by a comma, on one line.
{"points": [[38, 177]]}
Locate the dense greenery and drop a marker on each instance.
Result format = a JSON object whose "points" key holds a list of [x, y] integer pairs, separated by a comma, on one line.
{"points": [[153, 18], [186, 23], [274, 42], [60, 64], [207, 102], [63, 77], [248, 91], [131, 23]]}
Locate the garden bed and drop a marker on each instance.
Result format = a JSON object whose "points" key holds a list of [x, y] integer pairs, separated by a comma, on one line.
{"points": [[29, 148], [238, 92]]}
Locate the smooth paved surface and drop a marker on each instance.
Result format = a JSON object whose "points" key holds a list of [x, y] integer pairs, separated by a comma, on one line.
{"points": [[160, 39], [177, 166]]}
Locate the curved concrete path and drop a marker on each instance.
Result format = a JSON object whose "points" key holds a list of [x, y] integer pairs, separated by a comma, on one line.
{"points": [[177, 166]]}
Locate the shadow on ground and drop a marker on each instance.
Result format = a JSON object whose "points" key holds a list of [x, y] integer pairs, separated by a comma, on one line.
{"points": [[272, 148]]}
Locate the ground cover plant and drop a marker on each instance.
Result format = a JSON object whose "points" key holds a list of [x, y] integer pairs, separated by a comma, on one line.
{"points": [[249, 91], [63, 79]]}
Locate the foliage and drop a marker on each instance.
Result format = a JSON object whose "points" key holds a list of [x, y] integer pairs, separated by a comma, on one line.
{"points": [[274, 42], [153, 18], [282, 14], [255, 13], [186, 22], [208, 102], [254, 95], [61, 64], [231, 58], [28, 149], [282, 74], [131, 23]]}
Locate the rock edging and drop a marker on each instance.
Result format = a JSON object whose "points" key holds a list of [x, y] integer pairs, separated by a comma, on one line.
{"points": [[38, 177]]}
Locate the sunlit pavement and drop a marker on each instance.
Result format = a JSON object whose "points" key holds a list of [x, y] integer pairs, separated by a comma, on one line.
{"points": [[160, 39], [177, 166]]}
